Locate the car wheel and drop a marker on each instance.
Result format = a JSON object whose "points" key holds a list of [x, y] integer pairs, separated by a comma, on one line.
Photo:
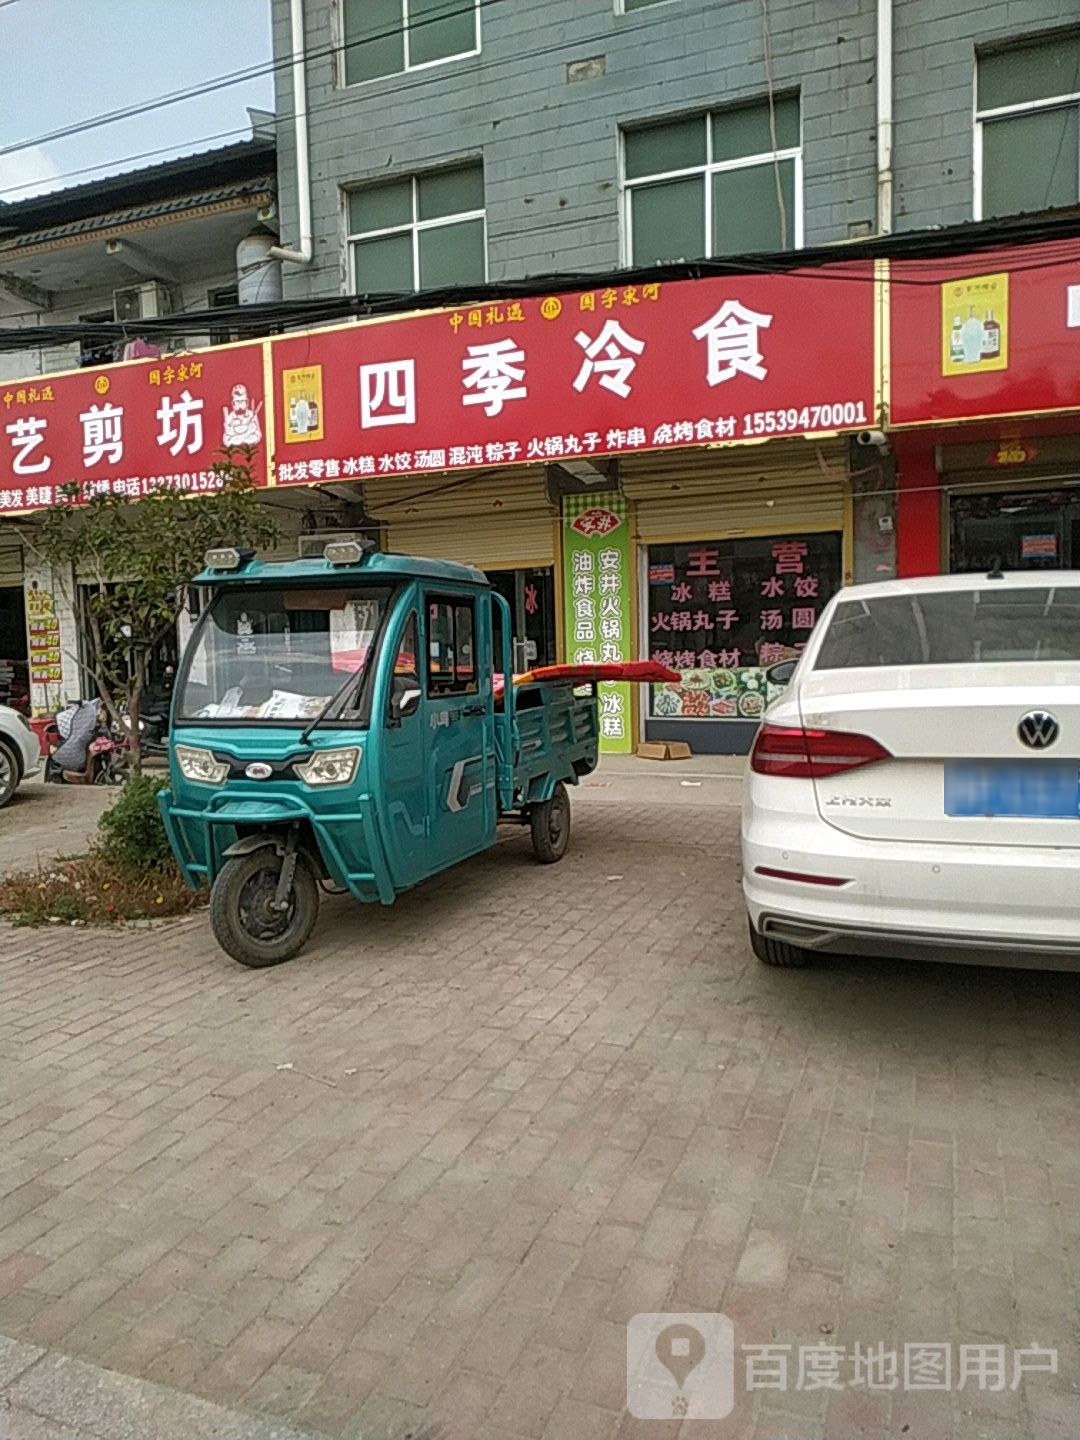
{"points": [[778, 952], [9, 772]]}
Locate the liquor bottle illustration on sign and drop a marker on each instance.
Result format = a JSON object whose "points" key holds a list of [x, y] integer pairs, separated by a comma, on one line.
{"points": [[956, 341], [972, 335], [991, 337]]}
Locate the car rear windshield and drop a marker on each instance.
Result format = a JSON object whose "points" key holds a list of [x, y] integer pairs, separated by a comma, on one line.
{"points": [[954, 627]]}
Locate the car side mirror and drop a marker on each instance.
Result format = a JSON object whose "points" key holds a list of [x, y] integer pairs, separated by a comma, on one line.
{"points": [[780, 674]]}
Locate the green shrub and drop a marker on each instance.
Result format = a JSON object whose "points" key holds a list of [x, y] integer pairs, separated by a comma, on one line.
{"points": [[131, 832]]}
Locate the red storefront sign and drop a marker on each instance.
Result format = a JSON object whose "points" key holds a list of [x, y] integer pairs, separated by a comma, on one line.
{"points": [[608, 371], [131, 429], [986, 335]]}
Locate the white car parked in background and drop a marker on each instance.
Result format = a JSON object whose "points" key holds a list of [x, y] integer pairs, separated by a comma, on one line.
{"points": [[916, 789], [20, 752]]}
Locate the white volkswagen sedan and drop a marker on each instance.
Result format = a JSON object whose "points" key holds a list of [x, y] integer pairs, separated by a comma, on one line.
{"points": [[20, 752], [916, 789]]}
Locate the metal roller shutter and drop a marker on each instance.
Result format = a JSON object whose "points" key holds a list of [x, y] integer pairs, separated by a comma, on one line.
{"points": [[495, 520], [693, 494]]}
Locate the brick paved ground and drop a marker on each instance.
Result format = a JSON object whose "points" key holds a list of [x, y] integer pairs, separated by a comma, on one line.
{"points": [[524, 1105]]}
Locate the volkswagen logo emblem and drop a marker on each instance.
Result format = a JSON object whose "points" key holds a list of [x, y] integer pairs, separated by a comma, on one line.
{"points": [[1038, 730], [259, 770]]}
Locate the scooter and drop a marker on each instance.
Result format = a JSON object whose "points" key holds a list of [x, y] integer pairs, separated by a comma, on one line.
{"points": [[89, 753]]}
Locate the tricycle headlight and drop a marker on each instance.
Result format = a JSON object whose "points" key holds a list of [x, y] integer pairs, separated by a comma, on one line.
{"points": [[200, 765], [330, 767]]}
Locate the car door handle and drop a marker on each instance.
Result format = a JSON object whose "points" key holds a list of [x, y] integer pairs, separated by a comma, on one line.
{"points": [[475, 710]]}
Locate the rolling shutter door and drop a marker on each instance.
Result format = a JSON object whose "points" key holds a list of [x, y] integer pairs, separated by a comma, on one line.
{"points": [[495, 520], [704, 494]]}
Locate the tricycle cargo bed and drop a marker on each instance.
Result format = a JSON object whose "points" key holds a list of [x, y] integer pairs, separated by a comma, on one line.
{"points": [[556, 737]]}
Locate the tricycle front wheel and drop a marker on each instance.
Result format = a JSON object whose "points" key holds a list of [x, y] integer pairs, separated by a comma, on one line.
{"points": [[550, 825], [245, 921]]}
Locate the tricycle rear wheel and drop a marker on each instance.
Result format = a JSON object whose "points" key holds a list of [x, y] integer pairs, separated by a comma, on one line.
{"points": [[550, 825], [243, 919]]}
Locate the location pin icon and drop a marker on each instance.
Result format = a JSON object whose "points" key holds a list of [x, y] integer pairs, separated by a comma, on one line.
{"points": [[680, 1349]]}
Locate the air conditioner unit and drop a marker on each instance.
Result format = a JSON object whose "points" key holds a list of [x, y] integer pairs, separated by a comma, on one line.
{"points": [[148, 301]]}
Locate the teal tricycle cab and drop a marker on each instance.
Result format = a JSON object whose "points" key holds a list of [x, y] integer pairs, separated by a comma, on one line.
{"points": [[349, 723]]}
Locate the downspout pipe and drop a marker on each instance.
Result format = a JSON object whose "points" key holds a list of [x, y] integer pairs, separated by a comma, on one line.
{"points": [[884, 116], [303, 253]]}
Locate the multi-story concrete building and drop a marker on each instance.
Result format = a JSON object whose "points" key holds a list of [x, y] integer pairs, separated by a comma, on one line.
{"points": [[458, 140], [447, 143]]}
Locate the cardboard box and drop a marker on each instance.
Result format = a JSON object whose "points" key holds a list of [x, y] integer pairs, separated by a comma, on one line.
{"points": [[663, 750]]}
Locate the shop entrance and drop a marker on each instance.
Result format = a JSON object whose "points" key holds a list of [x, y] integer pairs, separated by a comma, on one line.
{"points": [[1022, 530], [531, 597], [14, 672]]}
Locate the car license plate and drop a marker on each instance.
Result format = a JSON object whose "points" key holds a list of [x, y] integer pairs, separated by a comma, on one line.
{"points": [[1018, 788]]}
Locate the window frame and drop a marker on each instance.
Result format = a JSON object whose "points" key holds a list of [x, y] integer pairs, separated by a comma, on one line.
{"points": [[455, 689], [341, 40], [621, 6], [415, 226], [710, 168], [1009, 112]]}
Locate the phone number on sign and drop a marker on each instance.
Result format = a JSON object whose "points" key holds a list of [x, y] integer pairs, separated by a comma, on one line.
{"points": [[810, 417]]}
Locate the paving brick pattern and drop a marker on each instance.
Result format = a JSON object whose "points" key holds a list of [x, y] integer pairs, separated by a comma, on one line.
{"points": [[522, 1106]]}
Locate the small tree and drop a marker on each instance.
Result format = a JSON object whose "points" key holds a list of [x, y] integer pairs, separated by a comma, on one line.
{"points": [[137, 560]]}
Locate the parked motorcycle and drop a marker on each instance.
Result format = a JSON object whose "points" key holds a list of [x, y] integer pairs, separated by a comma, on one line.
{"points": [[84, 749]]}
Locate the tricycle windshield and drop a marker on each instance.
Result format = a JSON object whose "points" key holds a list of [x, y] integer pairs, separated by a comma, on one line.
{"points": [[279, 655]]}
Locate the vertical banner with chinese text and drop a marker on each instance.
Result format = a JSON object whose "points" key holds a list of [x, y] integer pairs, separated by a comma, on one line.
{"points": [[598, 577]]}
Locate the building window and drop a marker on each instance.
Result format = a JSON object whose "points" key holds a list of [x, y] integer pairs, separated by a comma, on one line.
{"points": [[387, 37], [1027, 128], [419, 233], [223, 298], [728, 183], [628, 5]]}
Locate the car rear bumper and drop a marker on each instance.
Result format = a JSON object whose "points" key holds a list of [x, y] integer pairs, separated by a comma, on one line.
{"points": [[896, 897]]}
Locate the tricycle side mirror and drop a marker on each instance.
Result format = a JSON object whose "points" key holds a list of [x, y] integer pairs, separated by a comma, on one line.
{"points": [[781, 673], [404, 703]]}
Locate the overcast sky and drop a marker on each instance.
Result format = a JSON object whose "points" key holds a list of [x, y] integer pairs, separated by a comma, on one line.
{"points": [[65, 61]]}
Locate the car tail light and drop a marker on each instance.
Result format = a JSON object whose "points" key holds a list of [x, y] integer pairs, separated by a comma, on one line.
{"points": [[812, 754]]}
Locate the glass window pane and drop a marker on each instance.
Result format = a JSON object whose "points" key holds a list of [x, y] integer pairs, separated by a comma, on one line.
{"points": [[668, 221], [639, 4], [380, 207], [746, 213], [1030, 162], [452, 255], [440, 28], [451, 192], [1029, 72], [746, 131], [660, 148], [383, 265], [374, 36]]}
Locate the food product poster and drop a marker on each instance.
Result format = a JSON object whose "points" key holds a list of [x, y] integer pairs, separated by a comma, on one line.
{"points": [[722, 611], [598, 580], [975, 324]]}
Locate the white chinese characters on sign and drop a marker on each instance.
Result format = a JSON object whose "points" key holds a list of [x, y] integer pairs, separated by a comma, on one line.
{"points": [[181, 423], [611, 357], [103, 434], [493, 374], [26, 437], [388, 393], [734, 343]]}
